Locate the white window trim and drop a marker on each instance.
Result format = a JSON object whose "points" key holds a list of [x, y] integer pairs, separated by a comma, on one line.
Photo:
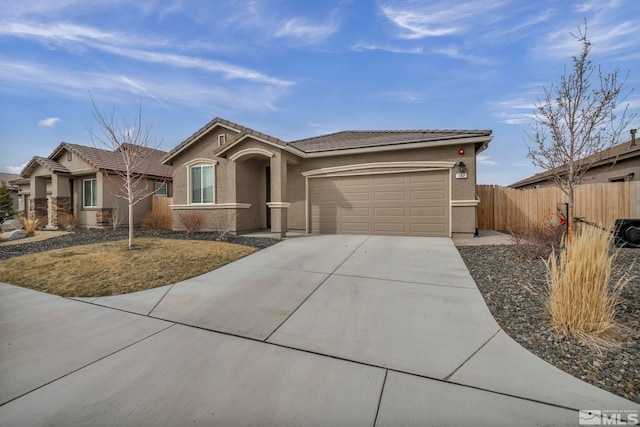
{"points": [[84, 198], [199, 163]]}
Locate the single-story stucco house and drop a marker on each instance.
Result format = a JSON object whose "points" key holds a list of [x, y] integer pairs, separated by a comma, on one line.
{"points": [[84, 181], [620, 163], [416, 183]]}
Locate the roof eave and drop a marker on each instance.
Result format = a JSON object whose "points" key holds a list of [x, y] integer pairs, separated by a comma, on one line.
{"points": [[484, 140]]}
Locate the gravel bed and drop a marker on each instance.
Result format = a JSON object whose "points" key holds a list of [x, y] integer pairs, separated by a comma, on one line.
{"points": [[88, 236], [515, 291]]}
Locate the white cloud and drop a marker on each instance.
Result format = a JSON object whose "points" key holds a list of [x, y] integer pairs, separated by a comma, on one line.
{"points": [[16, 169], [483, 159], [359, 47], [117, 44], [49, 122], [441, 18], [253, 96], [305, 31]]}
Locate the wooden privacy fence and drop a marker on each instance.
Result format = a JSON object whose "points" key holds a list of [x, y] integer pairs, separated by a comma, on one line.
{"points": [[161, 205], [508, 209]]}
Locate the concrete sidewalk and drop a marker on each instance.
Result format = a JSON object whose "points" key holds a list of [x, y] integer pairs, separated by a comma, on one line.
{"points": [[319, 330]]}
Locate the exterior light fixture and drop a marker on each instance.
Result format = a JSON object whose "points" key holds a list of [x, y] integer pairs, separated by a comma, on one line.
{"points": [[461, 166]]}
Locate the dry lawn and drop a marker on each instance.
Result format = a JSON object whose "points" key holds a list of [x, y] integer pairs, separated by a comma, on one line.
{"points": [[111, 269]]}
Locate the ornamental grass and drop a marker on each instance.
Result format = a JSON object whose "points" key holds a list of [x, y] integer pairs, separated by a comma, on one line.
{"points": [[582, 300]]}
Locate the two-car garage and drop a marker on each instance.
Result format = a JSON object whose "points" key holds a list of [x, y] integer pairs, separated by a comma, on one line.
{"points": [[404, 204]]}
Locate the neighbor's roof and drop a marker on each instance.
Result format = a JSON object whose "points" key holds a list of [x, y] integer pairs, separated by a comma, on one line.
{"points": [[101, 159], [8, 177], [344, 140], [362, 139], [609, 156]]}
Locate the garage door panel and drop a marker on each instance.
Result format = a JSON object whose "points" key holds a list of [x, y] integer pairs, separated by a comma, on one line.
{"points": [[388, 227], [390, 179], [428, 195], [411, 203], [355, 227], [363, 212], [390, 211], [421, 212], [422, 179], [356, 196], [398, 195]]}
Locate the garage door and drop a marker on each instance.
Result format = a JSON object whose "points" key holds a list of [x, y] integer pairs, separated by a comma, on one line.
{"points": [[404, 204]]}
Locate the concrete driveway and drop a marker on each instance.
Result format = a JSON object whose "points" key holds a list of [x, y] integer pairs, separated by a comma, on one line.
{"points": [[326, 330]]}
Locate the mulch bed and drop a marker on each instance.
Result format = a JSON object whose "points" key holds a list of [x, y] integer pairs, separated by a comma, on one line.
{"points": [[515, 290]]}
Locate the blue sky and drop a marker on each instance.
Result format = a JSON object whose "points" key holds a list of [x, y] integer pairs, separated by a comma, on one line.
{"points": [[295, 69]]}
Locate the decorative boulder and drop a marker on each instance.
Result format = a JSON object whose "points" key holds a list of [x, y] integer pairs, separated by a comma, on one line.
{"points": [[13, 235], [10, 225]]}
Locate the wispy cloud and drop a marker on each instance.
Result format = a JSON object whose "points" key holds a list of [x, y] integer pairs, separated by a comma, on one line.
{"points": [[517, 111], [117, 44], [254, 97], [305, 31], [457, 53], [483, 159], [16, 169], [49, 122], [360, 47], [441, 18]]}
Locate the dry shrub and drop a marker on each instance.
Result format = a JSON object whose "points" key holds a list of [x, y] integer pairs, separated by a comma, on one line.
{"points": [[582, 301], [539, 242], [68, 221], [191, 221], [157, 220], [30, 225]]}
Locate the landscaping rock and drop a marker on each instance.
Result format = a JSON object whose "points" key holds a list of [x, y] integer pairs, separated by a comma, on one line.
{"points": [[10, 225], [13, 235]]}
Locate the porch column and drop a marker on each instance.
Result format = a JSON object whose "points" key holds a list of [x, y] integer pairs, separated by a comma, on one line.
{"points": [[60, 198], [38, 202], [278, 203]]}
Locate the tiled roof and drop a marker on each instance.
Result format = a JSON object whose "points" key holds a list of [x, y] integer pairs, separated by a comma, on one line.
{"points": [[332, 142], [51, 165], [243, 131], [6, 177], [608, 156], [101, 159], [363, 139]]}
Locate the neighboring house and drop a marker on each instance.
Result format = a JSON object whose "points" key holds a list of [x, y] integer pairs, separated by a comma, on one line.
{"points": [[8, 178], [84, 181], [619, 163], [419, 183]]}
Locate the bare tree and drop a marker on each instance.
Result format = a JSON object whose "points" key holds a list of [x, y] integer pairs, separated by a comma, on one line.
{"points": [[132, 151], [576, 122]]}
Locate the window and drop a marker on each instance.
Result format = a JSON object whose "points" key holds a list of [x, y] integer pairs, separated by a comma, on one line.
{"points": [[201, 184], [90, 193], [222, 138], [161, 189]]}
